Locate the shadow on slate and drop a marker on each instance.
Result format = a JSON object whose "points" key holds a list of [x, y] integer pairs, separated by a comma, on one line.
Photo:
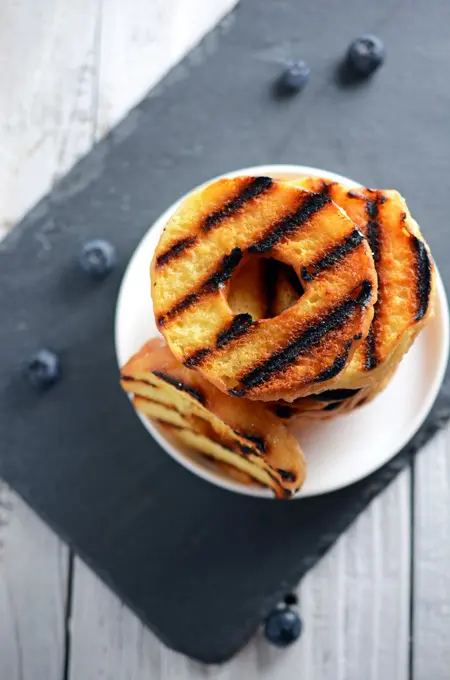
{"points": [[202, 566]]}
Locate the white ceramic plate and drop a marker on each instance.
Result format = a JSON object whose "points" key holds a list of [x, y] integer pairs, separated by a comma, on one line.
{"points": [[341, 451]]}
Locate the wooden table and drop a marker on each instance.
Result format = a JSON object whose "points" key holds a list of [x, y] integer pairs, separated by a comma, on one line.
{"points": [[378, 605]]}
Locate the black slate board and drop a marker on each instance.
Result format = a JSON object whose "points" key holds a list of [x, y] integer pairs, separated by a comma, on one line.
{"points": [[200, 565]]}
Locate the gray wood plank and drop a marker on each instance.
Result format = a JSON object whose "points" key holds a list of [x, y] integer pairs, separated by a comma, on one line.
{"points": [[354, 604], [431, 655], [33, 588]]}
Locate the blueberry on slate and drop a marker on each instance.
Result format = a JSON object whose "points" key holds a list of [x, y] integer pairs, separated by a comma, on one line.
{"points": [[366, 54], [44, 369], [290, 599], [294, 77], [98, 258], [283, 627]]}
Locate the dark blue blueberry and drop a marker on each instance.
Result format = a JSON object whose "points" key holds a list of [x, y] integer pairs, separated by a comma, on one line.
{"points": [[44, 369], [98, 258], [366, 54], [290, 599], [294, 77], [283, 627]]}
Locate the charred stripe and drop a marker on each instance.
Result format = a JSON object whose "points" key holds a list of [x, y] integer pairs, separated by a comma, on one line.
{"points": [[175, 250], [179, 385], [373, 235], [254, 439], [423, 277], [239, 326], [337, 253], [197, 357], [283, 358], [336, 367], [255, 187], [310, 205], [335, 395], [212, 283], [286, 475], [371, 356]]}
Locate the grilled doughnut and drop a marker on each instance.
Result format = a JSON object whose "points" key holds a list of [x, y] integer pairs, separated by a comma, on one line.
{"points": [[237, 432], [406, 277], [406, 281], [214, 232]]}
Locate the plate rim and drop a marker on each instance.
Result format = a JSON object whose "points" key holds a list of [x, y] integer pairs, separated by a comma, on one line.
{"points": [[216, 478]]}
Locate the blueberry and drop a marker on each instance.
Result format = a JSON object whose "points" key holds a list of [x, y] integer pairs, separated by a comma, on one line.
{"points": [[366, 54], [283, 627], [290, 599], [98, 258], [44, 368], [294, 77]]}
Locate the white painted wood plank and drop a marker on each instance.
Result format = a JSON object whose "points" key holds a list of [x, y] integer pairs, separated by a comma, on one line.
{"points": [[355, 607], [71, 70], [48, 70], [431, 657], [108, 641], [33, 587]]}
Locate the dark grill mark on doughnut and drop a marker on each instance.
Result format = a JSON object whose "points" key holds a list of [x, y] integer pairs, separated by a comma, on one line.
{"points": [[175, 250], [364, 293], [212, 283], [255, 439], [247, 450], [181, 386], [310, 205], [255, 187], [284, 412], [331, 407], [286, 475], [283, 358], [197, 357], [373, 235], [335, 395], [371, 357], [336, 367], [423, 278], [239, 326], [280, 491], [337, 253], [228, 264]]}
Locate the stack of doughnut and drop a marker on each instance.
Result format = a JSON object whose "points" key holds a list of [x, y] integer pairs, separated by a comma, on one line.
{"points": [[288, 299]]}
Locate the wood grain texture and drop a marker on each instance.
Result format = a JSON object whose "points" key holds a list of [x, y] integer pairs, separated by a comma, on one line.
{"points": [[354, 605], [431, 658], [33, 588], [71, 70]]}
